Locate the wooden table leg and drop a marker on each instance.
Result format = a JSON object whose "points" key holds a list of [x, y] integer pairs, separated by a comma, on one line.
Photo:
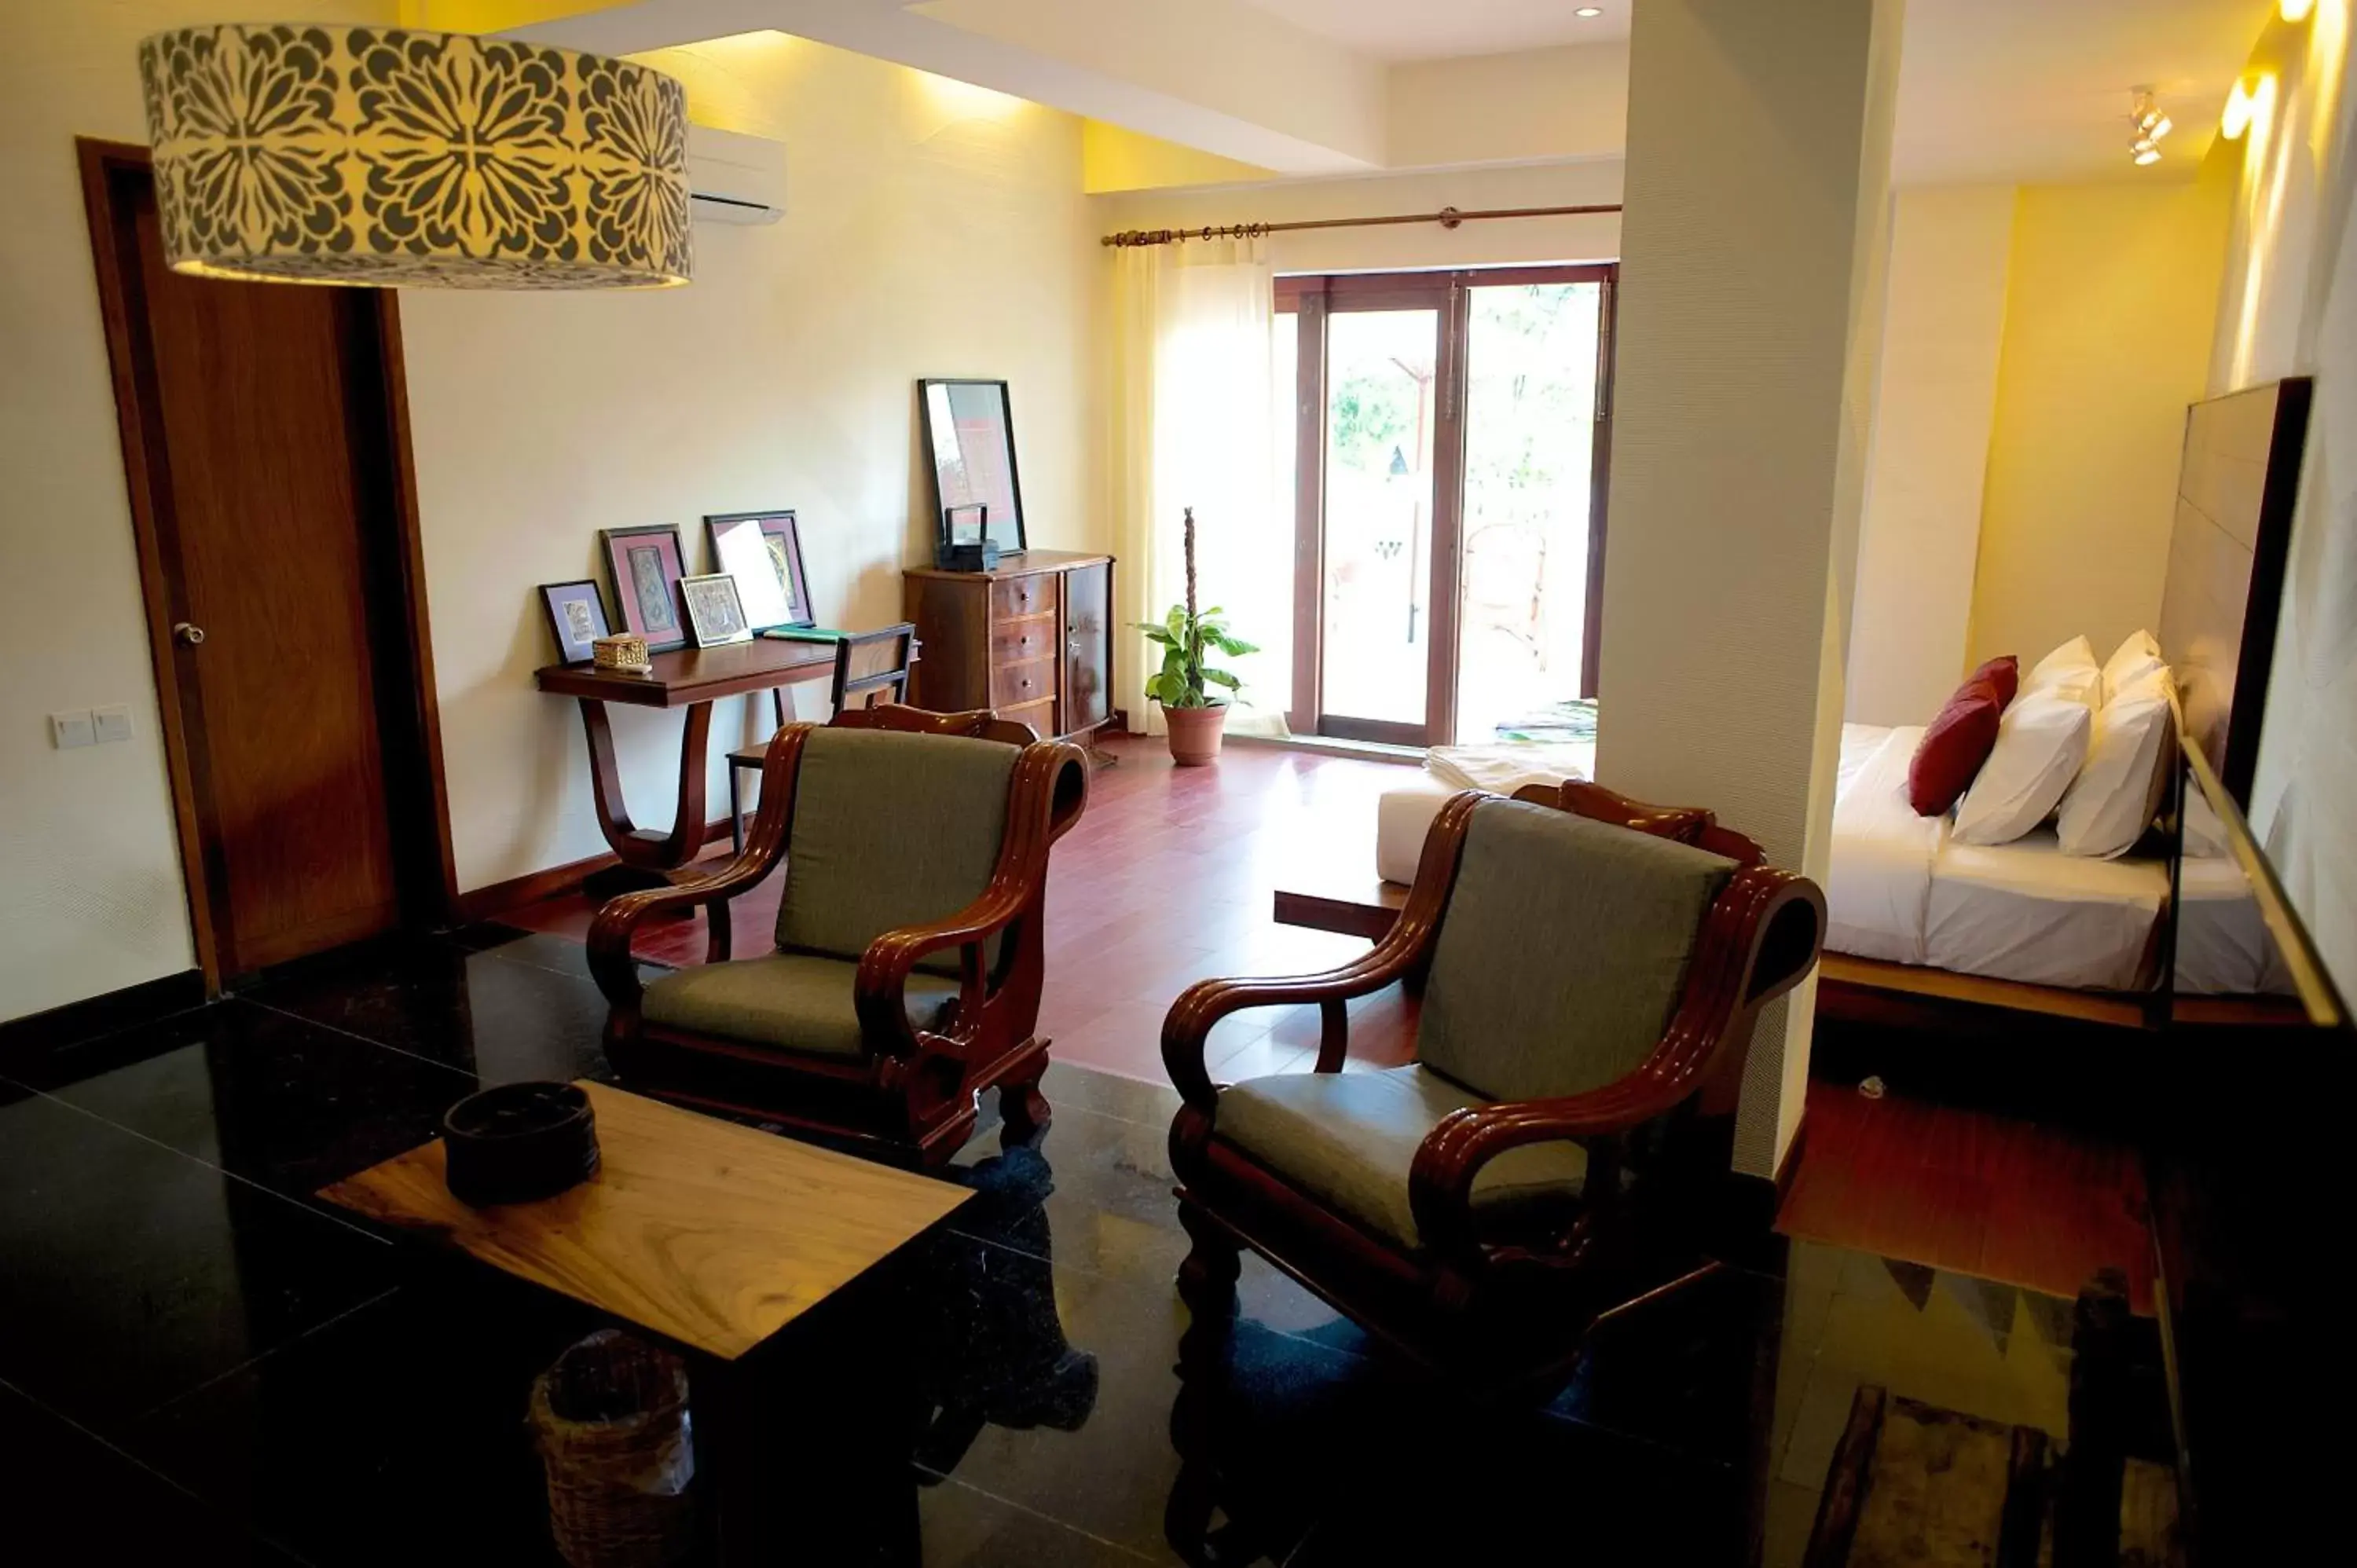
{"points": [[644, 849]]}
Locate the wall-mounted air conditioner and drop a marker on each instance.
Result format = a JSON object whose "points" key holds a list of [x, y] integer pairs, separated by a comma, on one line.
{"points": [[735, 178]]}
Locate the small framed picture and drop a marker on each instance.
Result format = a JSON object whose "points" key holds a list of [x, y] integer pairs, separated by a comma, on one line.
{"points": [[644, 566], [577, 614], [715, 612], [763, 551]]}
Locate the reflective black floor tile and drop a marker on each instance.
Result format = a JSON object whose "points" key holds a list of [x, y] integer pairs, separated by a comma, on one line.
{"points": [[1106, 1185], [269, 1096], [558, 955], [395, 1435], [1052, 1389], [500, 1019], [135, 1273], [965, 1528], [66, 1497], [1110, 1094]]}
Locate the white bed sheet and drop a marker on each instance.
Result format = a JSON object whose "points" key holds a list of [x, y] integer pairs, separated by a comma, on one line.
{"points": [[2026, 911], [1879, 881]]}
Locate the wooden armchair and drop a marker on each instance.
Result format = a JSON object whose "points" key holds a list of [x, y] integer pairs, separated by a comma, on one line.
{"points": [[1590, 969], [906, 974]]}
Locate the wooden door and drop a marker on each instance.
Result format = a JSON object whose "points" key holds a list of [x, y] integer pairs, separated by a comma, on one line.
{"points": [[1087, 648], [263, 459]]}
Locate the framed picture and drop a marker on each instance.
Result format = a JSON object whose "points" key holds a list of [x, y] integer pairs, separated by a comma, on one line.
{"points": [[644, 566], [970, 431], [763, 551], [577, 616], [715, 612]]}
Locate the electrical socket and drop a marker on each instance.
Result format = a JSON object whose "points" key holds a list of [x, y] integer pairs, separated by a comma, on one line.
{"points": [[113, 723], [69, 731]]}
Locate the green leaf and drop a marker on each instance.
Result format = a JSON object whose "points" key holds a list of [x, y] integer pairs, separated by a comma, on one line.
{"points": [[1176, 623], [1156, 634], [1221, 677], [1236, 647]]}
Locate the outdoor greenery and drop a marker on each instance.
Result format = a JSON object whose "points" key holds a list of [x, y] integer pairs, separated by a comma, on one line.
{"points": [[1184, 680]]}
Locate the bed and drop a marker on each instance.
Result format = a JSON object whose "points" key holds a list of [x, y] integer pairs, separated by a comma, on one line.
{"points": [[1901, 892]]}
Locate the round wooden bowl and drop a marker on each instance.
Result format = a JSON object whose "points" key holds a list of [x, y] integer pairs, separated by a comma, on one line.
{"points": [[518, 1142]]}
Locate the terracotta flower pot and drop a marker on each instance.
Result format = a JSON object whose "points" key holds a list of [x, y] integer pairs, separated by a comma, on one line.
{"points": [[1195, 733]]}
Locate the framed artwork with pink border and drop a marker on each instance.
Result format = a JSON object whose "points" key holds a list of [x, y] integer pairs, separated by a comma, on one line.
{"points": [[644, 566]]}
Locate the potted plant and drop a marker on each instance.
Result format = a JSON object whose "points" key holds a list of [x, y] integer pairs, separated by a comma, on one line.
{"points": [[1182, 687]]}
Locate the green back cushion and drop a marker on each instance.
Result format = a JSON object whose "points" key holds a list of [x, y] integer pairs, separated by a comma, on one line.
{"points": [[890, 830], [1562, 952]]}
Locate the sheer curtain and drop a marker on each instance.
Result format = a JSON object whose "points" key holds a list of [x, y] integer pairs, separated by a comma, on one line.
{"points": [[1195, 426]]}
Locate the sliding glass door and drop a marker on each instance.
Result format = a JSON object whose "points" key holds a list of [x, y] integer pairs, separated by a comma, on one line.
{"points": [[1448, 439]]}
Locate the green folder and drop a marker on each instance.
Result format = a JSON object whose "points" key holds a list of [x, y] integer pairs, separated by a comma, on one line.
{"points": [[806, 634]]}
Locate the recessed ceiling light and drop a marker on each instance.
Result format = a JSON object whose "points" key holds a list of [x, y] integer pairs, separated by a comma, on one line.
{"points": [[1588, 12]]}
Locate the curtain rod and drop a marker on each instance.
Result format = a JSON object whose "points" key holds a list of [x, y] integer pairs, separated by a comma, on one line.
{"points": [[1448, 218]]}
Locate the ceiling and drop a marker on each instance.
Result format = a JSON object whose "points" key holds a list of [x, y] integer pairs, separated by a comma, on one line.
{"points": [[1437, 30], [2038, 90]]}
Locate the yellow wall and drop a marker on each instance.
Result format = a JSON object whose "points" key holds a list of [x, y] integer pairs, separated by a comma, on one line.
{"points": [[933, 228], [2108, 334]]}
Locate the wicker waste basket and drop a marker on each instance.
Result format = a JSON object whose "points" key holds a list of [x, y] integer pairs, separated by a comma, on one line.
{"points": [[611, 1423]]}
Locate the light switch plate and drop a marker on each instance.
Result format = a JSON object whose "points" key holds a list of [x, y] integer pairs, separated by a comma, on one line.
{"points": [[113, 723], [67, 731]]}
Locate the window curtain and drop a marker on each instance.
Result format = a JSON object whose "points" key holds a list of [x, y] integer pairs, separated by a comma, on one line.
{"points": [[1195, 426]]}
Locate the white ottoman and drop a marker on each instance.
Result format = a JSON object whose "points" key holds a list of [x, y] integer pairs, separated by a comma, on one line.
{"points": [[1404, 815]]}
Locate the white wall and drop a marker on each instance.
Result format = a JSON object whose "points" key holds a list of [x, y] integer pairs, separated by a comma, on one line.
{"points": [[1557, 103], [1759, 161], [934, 230], [1934, 401], [2289, 306]]}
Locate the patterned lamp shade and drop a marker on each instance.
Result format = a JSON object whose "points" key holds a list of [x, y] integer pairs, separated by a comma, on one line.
{"points": [[302, 154]]}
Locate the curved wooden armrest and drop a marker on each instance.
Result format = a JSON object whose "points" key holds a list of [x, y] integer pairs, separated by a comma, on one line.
{"points": [[876, 991], [1441, 1182], [1402, 949], [610, 964]]}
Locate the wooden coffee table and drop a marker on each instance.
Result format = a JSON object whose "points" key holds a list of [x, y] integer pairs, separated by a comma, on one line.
{"points": [[714, 1239]]}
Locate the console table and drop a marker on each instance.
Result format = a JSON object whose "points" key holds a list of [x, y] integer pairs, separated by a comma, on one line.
{"points": [[690, 678]]}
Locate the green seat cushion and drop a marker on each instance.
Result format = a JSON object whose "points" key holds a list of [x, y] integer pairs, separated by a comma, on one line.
{"points": [[1348, 1138], [890, 830], [1563, 952], [795, 1002]]}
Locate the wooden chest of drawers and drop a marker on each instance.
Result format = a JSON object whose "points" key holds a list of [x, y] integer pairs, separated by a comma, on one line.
{"points": [[1033, 638]]}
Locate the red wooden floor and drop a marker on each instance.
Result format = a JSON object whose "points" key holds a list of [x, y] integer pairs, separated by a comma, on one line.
{"points": [[1168, 878]]}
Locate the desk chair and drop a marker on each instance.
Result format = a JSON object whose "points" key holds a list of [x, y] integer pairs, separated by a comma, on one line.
{"points": [[869, 666]]}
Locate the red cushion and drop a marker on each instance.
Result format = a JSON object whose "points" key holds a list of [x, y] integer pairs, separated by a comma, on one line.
{"points": [[2003, 673], [1954, 748]]}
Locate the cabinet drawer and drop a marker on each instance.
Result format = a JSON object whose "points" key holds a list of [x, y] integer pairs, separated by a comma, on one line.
{"points": [[1020, 641], [1013, 597], [1013, 685], [1040, 716]]}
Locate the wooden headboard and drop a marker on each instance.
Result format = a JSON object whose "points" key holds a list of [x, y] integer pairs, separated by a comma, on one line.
{"points": [[2236, 489]]}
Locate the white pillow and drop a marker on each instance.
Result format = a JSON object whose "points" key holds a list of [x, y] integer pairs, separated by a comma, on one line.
{"points": [[2070, 670], [2114, 798], [2040, 742], [2136, 658]]}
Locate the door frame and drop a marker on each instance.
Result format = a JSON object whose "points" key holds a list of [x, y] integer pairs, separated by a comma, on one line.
{"points": [[1312, 300], [421, 804]]}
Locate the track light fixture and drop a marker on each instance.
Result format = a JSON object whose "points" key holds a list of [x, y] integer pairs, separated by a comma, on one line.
{"points": [[2151, 124]]}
